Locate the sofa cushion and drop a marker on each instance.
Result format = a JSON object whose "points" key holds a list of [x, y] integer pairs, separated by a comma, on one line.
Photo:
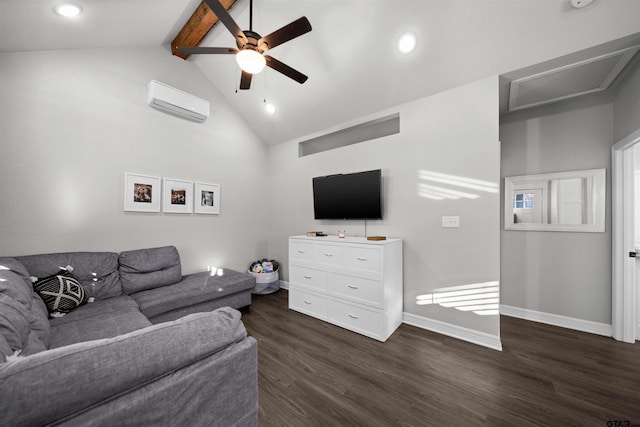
{"points": [[5, 349], [104, 318], [33, 344], [24, 325], [55, 387], [15, 283], [15, 329], [39, 320], [149, 268], [193, 289], [14, 325], [97, 272], [12, 264]]}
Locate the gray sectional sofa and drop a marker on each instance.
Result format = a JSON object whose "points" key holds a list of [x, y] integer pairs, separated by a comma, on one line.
{"points": [[152, 347]]}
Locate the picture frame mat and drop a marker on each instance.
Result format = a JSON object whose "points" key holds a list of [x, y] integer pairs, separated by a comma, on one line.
{"points": [[142, 193], [177, 196], [207, 198]]}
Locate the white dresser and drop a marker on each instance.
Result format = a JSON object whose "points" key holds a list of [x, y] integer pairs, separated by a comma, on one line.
{"points": [[351, 282]]}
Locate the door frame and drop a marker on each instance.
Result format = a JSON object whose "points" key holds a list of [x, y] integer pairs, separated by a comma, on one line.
{"points": [[624, 310]]}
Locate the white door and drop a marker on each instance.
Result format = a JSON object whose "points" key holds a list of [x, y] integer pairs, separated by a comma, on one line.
{"points": [[638, 293], [625, 319], [636, 216]]}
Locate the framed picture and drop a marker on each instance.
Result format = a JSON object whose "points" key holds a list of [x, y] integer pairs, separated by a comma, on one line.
{"points": [[207, 198], [177, 195], [142, 193]]}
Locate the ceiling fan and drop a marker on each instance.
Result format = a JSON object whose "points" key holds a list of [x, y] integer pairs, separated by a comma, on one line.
{"points": [[251, 45]]}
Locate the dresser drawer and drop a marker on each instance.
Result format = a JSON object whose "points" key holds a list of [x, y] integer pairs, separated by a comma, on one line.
{"points": [[301, 251], [362, 258], [366, 322], [327, 254], [308, 303], [356, 288], [308, 277]]}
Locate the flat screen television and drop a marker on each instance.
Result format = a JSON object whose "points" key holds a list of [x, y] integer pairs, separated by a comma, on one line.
{"points": [[348, 196]]}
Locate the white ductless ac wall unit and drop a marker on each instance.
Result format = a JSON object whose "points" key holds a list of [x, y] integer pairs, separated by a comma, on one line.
{"points": [[176, 102]]}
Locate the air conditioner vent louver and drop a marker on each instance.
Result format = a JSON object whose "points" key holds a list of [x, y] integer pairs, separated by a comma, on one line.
{"points": [[176, 102]]}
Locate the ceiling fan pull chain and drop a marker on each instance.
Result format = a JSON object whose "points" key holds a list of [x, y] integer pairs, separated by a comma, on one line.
{"points": [[250, 15]]}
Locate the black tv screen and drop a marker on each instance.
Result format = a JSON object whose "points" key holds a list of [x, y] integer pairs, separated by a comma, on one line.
{"points": [[348, 196]]}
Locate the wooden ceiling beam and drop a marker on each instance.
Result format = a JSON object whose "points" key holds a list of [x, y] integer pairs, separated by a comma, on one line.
{"points": [[197, 27]]}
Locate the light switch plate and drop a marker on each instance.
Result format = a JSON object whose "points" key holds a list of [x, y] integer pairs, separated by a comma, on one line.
{"points": [[450, 221]]}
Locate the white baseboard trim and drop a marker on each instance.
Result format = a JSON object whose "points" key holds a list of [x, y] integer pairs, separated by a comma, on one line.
{"points": [[284, 284], [557, 320], [454, 331]]}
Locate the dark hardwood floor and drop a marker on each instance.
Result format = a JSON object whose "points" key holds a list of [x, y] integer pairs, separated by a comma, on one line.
{"points": [[312, 373]]}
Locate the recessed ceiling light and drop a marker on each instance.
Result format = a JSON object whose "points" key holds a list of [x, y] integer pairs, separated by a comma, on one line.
{"points": [[68, 10], [580, 3], [269, 108], [407, 42]]}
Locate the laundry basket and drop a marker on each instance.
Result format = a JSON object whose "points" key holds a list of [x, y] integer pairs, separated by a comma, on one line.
{"points": [[266, 283], [267, 277]]}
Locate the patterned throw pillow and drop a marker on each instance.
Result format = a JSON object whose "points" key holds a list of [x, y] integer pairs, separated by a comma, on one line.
{"points": [[60, 292]]}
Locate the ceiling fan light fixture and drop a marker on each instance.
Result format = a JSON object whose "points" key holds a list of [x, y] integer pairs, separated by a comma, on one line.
{"points": [[251, 46], [68, 10], [407, 42], [250, 61]]}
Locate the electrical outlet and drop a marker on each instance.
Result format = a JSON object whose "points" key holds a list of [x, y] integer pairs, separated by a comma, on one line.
{"points": [[450, 221]]}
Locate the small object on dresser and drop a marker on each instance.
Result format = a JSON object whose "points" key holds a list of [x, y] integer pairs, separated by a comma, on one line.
{"points": [[341, 233], [316, 234], [376, 238]]}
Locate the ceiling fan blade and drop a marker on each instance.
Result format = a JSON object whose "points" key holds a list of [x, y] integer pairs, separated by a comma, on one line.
{"points": [[226, 19], [290, 31], [285, 69], [245, 80], [199, 50]]}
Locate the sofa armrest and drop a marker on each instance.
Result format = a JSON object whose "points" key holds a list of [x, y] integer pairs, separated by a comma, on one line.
{"points": [[54, 384]]}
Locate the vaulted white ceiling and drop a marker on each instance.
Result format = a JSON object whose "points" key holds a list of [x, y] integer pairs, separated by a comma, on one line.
{"points": [[350, 56]]}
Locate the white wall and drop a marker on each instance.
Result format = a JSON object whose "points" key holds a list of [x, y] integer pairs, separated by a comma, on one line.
{"points": [[73, 122], [626, 103], [453, 133], [561, 273]]}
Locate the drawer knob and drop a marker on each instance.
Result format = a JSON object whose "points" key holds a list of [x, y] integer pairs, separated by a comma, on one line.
{"points": [[307, 277], [352, 316], [361, 258], [326, 254], [300, 251], [307, 302], [352, 287]]}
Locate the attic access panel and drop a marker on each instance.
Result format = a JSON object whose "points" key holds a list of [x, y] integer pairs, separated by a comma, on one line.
{"points": [[581, 78]]}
